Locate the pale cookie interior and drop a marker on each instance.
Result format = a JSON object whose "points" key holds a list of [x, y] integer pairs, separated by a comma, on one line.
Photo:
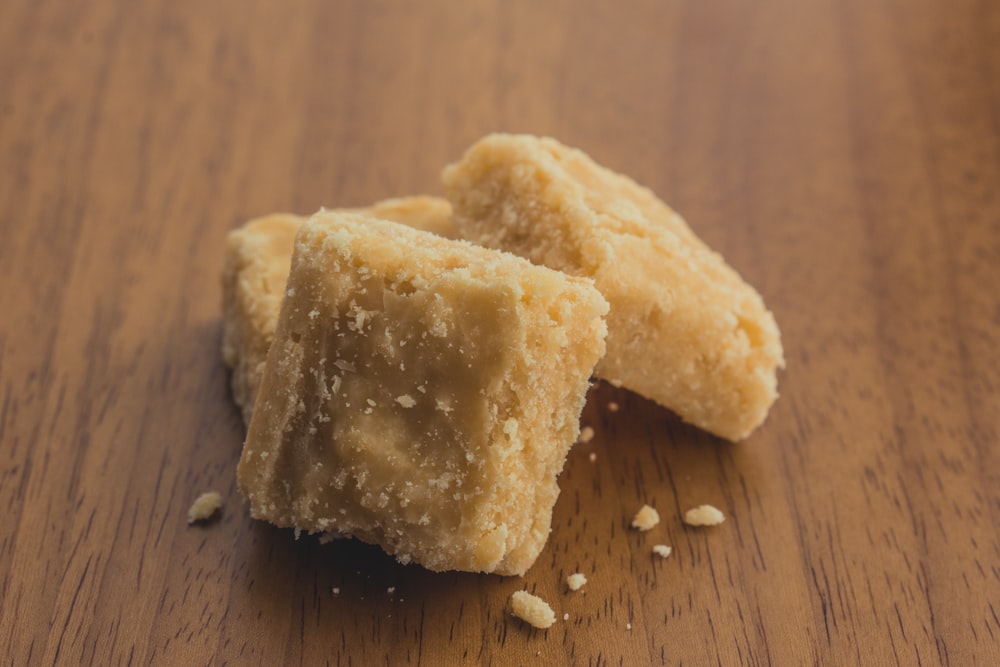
{"points": [[257, 260], [420, 394], [684, 329]]}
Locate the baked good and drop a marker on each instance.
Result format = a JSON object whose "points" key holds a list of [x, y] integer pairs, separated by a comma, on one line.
{"points": [[684, 329], [420, 394]]}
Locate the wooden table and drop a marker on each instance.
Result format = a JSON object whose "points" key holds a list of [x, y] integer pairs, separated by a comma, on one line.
{"points": [[843, 155]]}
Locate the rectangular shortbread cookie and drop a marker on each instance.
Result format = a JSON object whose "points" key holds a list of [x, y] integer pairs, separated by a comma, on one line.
{"points": [[257, 259], [420, 394], [684, 329]]}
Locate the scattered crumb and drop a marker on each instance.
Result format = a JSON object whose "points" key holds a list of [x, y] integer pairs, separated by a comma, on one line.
{"points": [[704, 515], [406, 401], [593, 456], [336, 591], [576, 581], [205, 506], [628, 626], [662, 550], [566, 616], [645, 518], [533, 610], [586, 434], [613, 406]]}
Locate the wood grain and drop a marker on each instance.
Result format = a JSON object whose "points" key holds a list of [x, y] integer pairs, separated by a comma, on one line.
{"points": [[843, 155]]}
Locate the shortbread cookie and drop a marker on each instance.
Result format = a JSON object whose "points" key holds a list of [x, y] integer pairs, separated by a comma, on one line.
{"points": [[420, 394], [253, 281], [684, 329]]}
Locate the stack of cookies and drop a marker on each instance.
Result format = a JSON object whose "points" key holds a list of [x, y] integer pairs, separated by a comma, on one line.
{"points": [[412, 374]]}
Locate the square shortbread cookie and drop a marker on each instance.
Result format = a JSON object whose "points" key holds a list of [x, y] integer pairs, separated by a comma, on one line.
{"points": [[684, 329], [256, 265], [420, 394]]}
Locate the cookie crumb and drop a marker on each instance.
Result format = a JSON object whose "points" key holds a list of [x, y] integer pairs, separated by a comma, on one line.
{"points": [[613, 406], [593, 457], [205, 506], [628, 626], [532, 609], [662, 550], [336, 591], [566, 616], [704, 515], [586, 434], [645, 518], [576, 581]]}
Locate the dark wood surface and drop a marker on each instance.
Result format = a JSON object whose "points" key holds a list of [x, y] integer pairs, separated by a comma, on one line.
{"points": [[843, 155]]}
